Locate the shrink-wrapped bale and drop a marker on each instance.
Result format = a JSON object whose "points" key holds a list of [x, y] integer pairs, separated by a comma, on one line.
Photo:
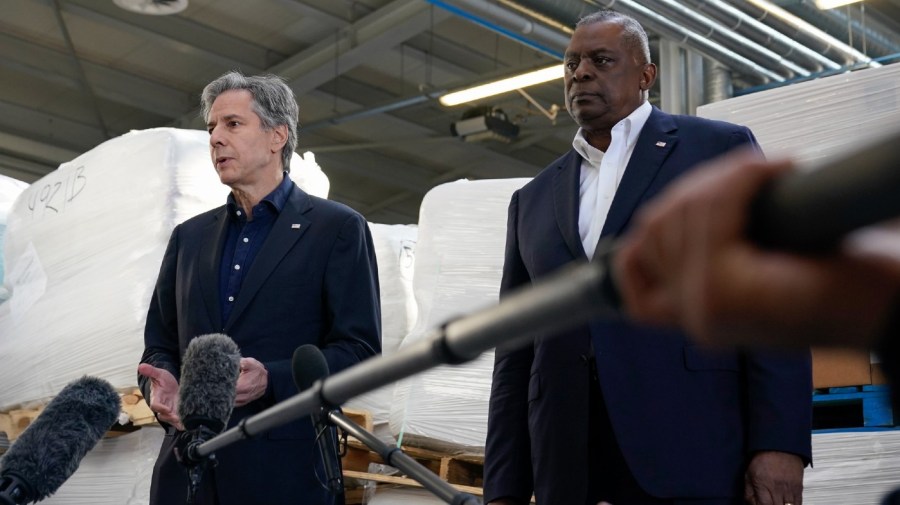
{"points": [[116, 472], [10, 189], [82, 253], [817, 119], [395, 247], [459, 261], [857, 467]]}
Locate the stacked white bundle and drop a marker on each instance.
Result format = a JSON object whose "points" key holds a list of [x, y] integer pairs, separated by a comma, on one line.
{"points": [[116, 472], [852, 467], [817, 119], [83, 249], [10, 189], [395, 247], [459, 261]]}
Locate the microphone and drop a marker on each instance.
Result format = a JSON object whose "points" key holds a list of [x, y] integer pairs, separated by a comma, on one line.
{"points": [[49, 450], [308, 366], [209, 373]]}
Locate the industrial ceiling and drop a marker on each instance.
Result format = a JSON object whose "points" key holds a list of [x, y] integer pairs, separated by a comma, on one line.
{"points": [[368, 73]]}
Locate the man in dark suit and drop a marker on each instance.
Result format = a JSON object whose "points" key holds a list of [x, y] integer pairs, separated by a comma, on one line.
{"points": [[274, 268], [614, 411]]}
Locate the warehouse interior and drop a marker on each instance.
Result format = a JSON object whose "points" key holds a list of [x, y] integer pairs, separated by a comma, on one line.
{"points": [[103, 154], [368, 74]]}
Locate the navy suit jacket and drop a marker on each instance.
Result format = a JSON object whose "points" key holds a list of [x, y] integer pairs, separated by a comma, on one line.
{"points": [[314, 281], [687, 418]]}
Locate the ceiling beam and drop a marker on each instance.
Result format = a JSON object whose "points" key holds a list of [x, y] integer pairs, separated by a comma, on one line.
{"points": [[38, 151], [51, 65], [379, 31]]}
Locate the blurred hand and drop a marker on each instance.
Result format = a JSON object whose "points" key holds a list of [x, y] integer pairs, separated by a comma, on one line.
{"points": [[687, 262], [163, 394], [252, 382]]}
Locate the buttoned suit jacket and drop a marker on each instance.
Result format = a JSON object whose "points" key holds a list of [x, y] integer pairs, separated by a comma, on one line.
{"points": [[314, 281], [687, 418]]}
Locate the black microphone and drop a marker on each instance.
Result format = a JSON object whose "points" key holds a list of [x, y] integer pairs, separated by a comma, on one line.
{"points": [[209, 373], [49, 450], [308, 366]]}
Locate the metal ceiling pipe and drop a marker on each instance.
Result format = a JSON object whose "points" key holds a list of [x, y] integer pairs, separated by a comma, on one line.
{"points": [[509, 23], [836, 21], [743, 19], [714, 27], [717, 79], [652, 20]]}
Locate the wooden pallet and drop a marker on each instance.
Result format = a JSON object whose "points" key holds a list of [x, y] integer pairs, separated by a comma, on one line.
{"points": [[463, 471], [15, 421]]}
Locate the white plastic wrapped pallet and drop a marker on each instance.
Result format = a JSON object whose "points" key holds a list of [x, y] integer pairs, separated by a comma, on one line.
{"points": [[459, 262], [10, 189], [83, 248], [116, 472], [395, 247]]}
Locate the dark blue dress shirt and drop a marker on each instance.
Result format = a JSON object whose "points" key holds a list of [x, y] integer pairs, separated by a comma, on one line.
{"points": [[244, 240]]}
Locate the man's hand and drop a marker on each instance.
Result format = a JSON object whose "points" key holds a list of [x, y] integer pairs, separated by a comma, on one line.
{"points": [[252, 382], [774, 478], [163, 394]]}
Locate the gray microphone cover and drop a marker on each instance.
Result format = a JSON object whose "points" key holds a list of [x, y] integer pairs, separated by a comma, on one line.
{"points": [[209, 374], [49, 451]]}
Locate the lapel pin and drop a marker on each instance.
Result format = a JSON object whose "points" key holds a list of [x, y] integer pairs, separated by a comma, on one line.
{"points": [[660, 144], [295, 226]]}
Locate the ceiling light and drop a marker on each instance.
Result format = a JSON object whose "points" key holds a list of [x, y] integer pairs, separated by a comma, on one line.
{"points": [[809, 29], [154, 7], [831, 4], [503, 85]]}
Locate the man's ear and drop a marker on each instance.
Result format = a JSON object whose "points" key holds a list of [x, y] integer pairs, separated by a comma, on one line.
{"points": [[279, 138]]}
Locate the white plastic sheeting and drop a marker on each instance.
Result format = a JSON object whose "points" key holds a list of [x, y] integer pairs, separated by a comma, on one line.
{"points": [[116, 472], [10, 189], [459, 262], [820, 118], [852, 467], [82, 252], [395, 247]]}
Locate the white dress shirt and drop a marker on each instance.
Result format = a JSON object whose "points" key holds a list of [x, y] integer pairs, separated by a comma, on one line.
{"points": [[601, 173]]}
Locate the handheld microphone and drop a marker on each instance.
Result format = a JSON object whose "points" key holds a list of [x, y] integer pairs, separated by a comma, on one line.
{"points": [[209, 373], [308, 366], [49, 450]]}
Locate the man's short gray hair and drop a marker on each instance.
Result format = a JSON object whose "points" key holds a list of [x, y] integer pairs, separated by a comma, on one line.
{"points": [[635, 36], [273, 102]]}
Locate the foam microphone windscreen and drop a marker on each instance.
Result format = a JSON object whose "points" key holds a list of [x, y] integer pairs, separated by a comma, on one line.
{"points": [[209, 374], [308, 365], [49, 450]]}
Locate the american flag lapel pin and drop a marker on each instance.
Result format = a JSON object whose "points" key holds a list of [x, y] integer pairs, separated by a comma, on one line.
{"points": [[660, 144], [295, 226]]}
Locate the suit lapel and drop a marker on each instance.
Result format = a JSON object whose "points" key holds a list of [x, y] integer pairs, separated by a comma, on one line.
{"points": [[290, 225], [656, 141], [565, 200], [210, 259]]}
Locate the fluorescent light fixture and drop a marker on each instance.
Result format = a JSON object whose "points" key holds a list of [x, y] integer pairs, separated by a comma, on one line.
{"points": [[831, 4], [503, 85], [809, 29]]}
